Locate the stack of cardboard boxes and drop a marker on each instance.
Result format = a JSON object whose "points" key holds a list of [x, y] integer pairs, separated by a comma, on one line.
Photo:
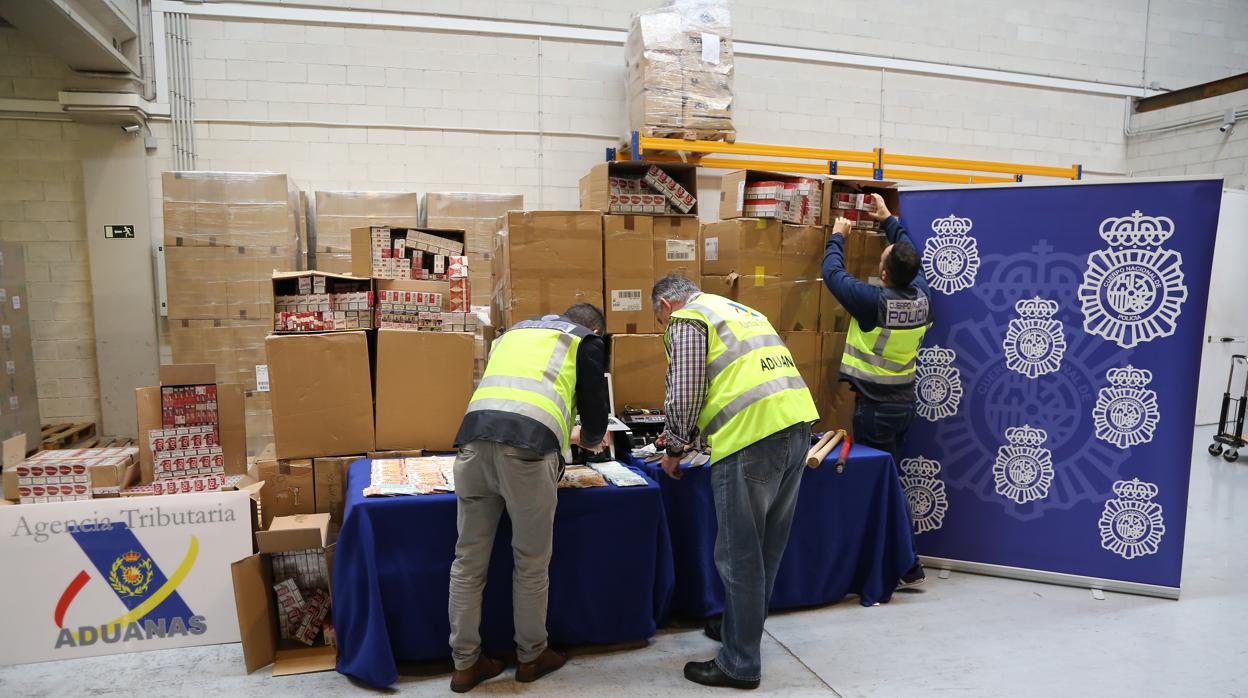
{"points": [[19, 401], [334, 214], [225, 235]]}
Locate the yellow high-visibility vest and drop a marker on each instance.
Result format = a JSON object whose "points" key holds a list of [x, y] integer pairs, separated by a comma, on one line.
{"points": [[886, 355], [753, 387]]}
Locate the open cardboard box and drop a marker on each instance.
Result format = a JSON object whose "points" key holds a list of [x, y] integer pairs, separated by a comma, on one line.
{"points": [[292, 283], [231, 415], [362, 244], [886, 189], [257, 607], [595, 187], [732, 186]]}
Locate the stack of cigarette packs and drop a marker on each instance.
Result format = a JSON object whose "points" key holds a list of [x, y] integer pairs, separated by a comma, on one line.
{"points": [[854, 206], [796, 200], [420, 310], [188, 405], [52, 482], [655, 193], [187, 452], [400, 253], [65, 475], [677, 195], [302, 596]]}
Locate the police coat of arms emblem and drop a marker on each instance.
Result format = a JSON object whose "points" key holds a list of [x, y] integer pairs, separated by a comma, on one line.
{"points": [[937, 384], [951, 258], [1132, 525], [1034, 343], [1023, 470], [1133, 292], [1126, 413], [924, 492]]}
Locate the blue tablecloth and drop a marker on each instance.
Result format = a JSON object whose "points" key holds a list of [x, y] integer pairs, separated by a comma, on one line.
{"points": [[611, 575], [850, 536]]}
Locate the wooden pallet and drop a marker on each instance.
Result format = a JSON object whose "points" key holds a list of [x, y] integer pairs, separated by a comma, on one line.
{"points": [[689, 134], [59, 436], [115, 442]]}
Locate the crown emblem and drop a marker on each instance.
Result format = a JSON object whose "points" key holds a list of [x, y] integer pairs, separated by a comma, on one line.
{"points": [[937, 355], [1026, 435], [1137, 230], [1036, 307], [920, 467], [1129, 377], [1134, 489], [951, 225], [131, 557]]}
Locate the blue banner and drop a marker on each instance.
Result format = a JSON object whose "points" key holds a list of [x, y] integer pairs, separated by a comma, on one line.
{"points": [[1057, 386]]}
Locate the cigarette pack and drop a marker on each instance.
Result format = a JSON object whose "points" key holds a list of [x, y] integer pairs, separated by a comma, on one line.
{"points": [[670, 188]]}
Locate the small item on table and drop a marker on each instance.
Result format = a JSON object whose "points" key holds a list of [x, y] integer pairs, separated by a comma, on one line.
{"points": [[580, 476], [824, 447], [618, 475], [840, 461]]}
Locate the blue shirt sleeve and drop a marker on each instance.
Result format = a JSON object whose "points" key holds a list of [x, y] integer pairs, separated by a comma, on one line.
{"points": [[859, 298], [896, 232]]}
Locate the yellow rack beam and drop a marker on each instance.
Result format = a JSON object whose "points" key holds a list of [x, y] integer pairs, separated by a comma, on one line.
{"points": [[1072, 172], [813, 168], [778, 151]]}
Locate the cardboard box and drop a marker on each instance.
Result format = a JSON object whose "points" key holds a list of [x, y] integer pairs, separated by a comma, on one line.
{"points": [[424, 383], [628, 274], [329, 477], [638, 371], [545, 262], [741, 246], [677, 247], [256, 604], [807, 351], [400, 246], [760, 292], [231, 419], [321, 394], [801, 261], [833, 317], [289, 487], [857, 185], [836, 399], [318, 301], [597, 190], [479, 216], [334, 213]]}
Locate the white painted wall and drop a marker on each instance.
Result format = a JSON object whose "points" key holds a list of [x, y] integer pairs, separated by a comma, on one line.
{"points": [[1172, 141]]}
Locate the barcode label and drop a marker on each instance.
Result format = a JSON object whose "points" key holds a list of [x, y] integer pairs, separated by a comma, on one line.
{"points": [[17, 302], [710, 250], [262, 378], [682, 251], [710, 48], [626, 300]]}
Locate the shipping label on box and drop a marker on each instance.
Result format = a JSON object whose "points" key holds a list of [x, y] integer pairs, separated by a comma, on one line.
{"points": [[626, 300]]}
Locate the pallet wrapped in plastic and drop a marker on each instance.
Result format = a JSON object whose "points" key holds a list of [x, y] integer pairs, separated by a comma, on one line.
{"points": [[478, 214], [332, 215], [679, 63]]}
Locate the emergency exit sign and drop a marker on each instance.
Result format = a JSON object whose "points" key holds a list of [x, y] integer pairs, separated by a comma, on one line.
{"points": [[119, 231]]}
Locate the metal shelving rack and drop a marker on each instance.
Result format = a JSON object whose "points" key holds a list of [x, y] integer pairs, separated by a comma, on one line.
{"points": [[878, 163]]}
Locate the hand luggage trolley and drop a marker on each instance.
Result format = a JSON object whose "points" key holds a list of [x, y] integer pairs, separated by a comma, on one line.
{"points": [[1231, 423]]}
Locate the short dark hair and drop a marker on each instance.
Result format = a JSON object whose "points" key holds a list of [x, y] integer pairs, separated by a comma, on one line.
{"points": [[902, 264], [588, 316]]}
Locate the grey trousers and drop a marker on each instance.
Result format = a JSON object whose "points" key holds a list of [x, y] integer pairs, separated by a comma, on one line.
{"points": [[488, 478]]}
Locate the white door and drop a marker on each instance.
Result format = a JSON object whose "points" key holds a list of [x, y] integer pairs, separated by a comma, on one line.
{"points": [[1227, 317]]}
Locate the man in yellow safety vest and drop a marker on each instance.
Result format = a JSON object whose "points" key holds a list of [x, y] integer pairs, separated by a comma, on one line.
{"points": [[886, 327], [731, 381], [540, 375]]}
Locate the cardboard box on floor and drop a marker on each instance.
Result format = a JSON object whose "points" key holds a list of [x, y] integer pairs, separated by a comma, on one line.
{"points": [[257, 608], [628, 273], [321, 389], [231, 415], [546, 261], [638, 370], [424, 383]]}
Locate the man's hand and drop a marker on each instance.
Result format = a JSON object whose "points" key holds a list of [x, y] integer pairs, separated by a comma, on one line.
{"points": [[881, 211], [842, 226], [671, 466]]}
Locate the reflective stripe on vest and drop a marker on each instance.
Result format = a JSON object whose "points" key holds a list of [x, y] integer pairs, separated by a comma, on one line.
{"points": [[885, 356], [753, 386], [512, 382]]}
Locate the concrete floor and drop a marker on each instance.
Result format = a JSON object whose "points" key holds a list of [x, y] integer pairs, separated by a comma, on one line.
{"points": [[966, 635]]}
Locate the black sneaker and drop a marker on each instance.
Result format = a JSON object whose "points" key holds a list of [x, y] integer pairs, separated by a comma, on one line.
{"points": [[914, 577]]}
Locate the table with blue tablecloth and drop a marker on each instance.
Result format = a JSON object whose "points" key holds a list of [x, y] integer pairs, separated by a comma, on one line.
{"points": [[850, 535], [611, 575]]}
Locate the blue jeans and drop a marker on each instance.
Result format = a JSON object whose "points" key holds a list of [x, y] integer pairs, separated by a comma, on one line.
{"points": [[883, 425], [755, 493]]}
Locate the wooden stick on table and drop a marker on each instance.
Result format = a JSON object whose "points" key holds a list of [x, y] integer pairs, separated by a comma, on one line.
{"points": [[821, 449]]}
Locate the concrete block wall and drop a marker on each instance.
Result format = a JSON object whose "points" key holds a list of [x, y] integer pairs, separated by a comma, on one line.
{"points": [[1186, 148], [42, 207]]}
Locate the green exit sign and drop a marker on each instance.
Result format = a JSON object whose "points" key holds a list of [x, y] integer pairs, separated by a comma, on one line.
{"points": [[119, 231]]}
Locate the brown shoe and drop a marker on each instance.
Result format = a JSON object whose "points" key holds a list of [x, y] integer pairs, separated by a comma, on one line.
{"points": [[486, 668], [548, 661]]}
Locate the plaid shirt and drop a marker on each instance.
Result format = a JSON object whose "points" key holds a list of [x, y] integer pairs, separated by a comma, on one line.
{"points": [[686, 381]]}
